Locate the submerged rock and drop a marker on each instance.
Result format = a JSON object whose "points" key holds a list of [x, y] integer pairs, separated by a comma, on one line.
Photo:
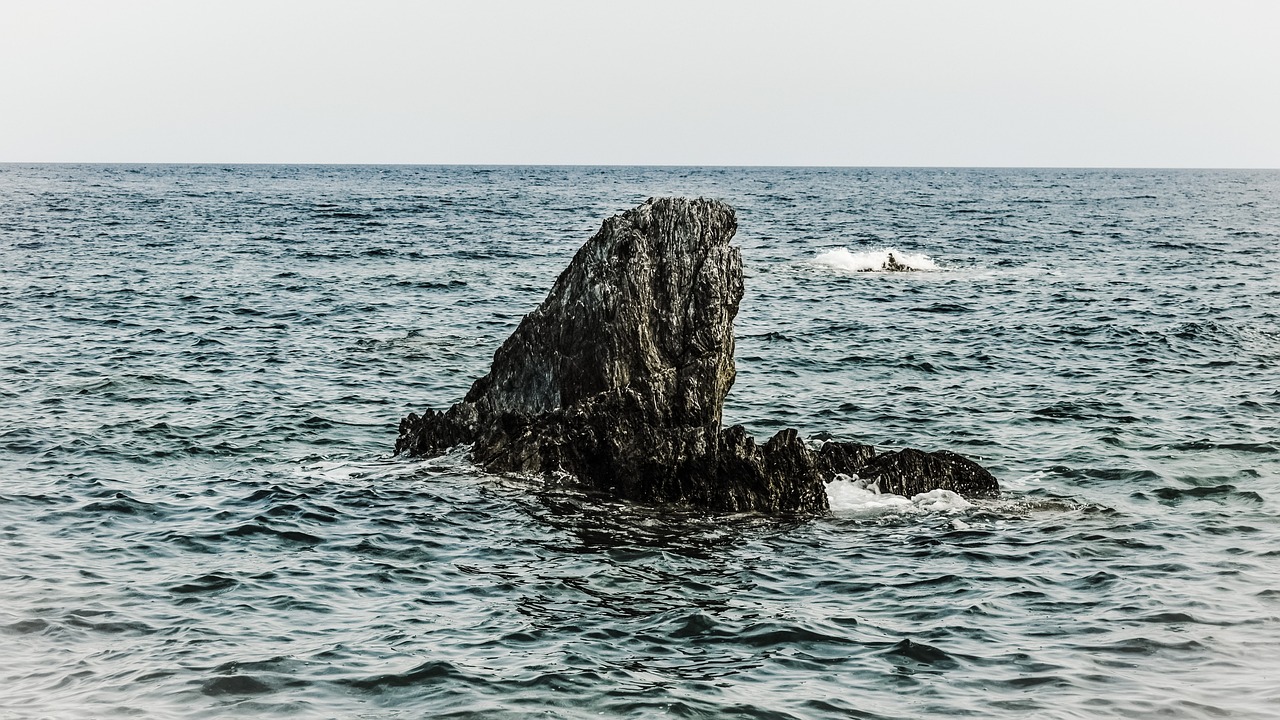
{"points": [[618, 379]]}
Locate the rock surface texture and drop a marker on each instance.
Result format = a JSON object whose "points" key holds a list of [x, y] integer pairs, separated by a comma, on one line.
{"points": [[619, 377]]}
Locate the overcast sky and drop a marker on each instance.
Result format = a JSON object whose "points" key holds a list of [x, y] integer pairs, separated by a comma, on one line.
{"points": [[902, 82]]}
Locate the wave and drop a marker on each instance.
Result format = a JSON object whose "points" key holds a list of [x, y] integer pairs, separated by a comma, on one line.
{"points": [[877, 260], [851, 496]]}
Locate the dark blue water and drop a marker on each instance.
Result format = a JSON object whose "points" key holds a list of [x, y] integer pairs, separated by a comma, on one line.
{"points": [[203, 368]]}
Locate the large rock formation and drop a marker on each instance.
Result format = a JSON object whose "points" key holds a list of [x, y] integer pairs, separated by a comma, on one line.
{"points": [[619, 377]]}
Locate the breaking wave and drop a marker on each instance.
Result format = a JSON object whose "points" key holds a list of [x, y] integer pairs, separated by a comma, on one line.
{"points": [[877, 260]]}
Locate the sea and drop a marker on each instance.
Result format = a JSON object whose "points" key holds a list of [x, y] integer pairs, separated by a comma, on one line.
{"points": [[201, 515]]}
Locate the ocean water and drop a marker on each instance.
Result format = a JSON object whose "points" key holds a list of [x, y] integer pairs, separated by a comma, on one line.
{"points": [[203, 368]]}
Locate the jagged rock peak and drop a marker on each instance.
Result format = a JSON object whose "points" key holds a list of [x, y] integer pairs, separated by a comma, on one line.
{"points": [[647, 304]]}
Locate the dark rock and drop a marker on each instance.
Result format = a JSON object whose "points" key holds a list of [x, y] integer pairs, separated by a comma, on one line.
{"points": [[618, 379], [891, 264], [843, 458], [911, 472], [907, 472]]}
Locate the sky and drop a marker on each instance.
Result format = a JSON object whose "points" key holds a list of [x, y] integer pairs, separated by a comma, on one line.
{"points": [[1041, 83]]}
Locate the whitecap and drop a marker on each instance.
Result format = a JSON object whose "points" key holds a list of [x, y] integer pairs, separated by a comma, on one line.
{"points": [[873, 260]]}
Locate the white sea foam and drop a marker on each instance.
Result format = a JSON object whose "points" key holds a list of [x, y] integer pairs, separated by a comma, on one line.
{"points": [[940, 500], [851, 496], [872, 260]]}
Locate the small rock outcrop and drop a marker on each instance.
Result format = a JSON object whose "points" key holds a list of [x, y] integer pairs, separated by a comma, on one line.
{"points": [[618, 379], [891, 264]]}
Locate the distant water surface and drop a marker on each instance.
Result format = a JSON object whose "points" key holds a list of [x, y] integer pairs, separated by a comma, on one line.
{"points": [[203, 368]]}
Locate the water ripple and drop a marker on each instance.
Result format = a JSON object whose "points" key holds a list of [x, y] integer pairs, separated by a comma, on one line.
{"points": [[200, 517]]}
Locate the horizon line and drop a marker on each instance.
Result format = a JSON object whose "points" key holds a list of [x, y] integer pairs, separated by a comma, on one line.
{"points": [[636, 165]]}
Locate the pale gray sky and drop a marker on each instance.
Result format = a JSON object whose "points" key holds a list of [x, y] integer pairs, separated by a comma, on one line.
{"points": [[907, 82]]}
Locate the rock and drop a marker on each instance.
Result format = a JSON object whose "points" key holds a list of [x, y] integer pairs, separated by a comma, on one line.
{"points": [[618, 380], [843, 458], [911, 472], [891, 264], [908, 472]]}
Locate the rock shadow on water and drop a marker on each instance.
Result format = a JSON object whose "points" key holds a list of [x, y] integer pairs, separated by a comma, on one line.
{"points": [[601, 523]]}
